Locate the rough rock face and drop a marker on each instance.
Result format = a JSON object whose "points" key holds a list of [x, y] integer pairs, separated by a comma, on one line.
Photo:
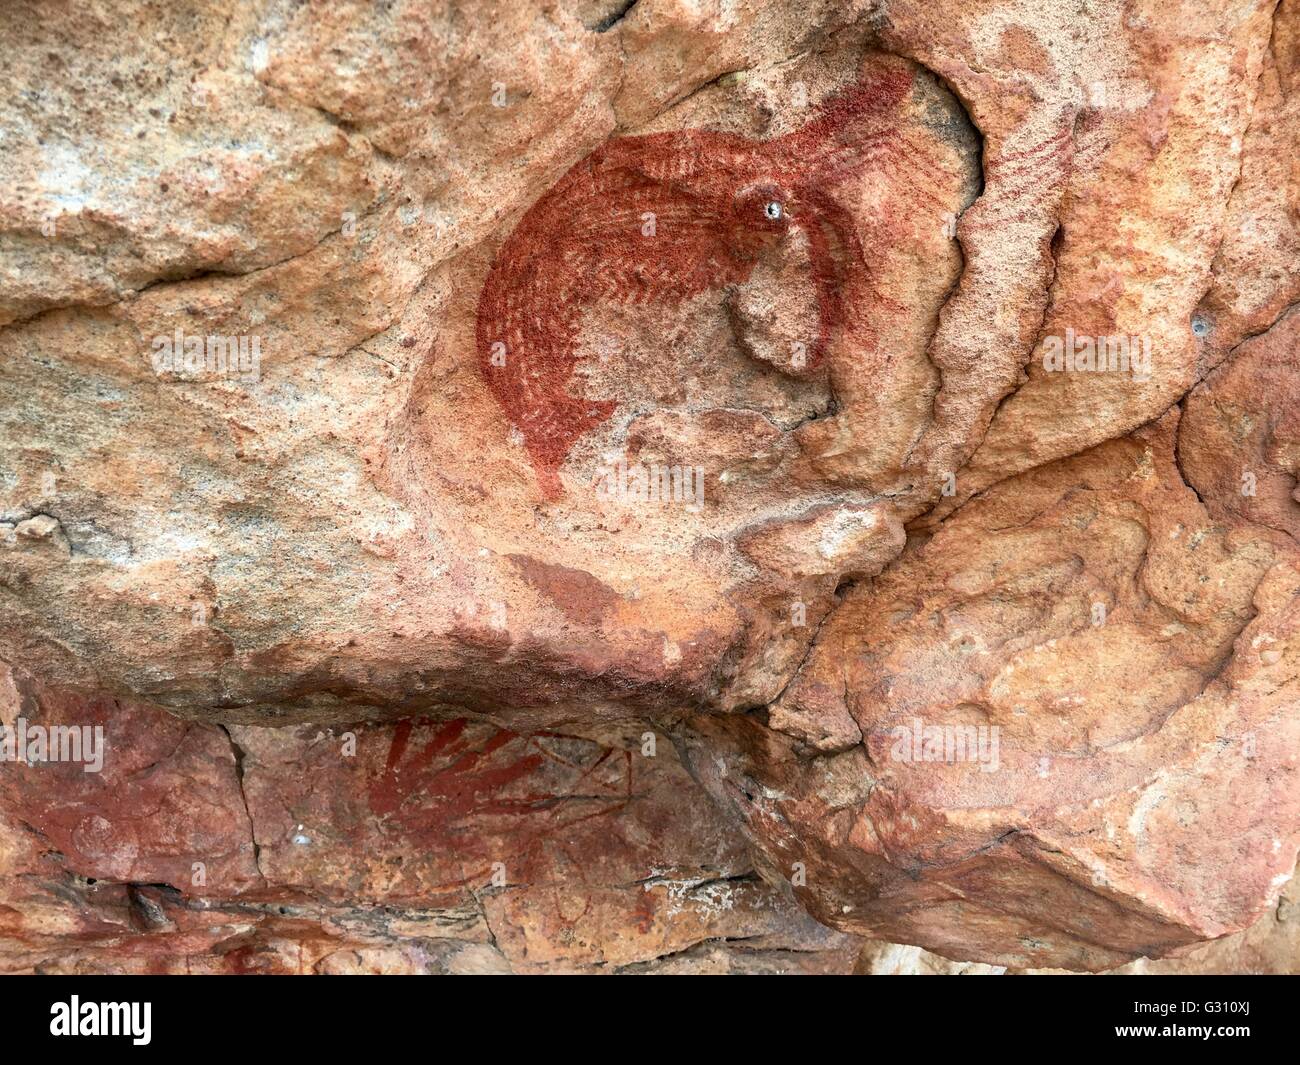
{"points": [[1269, 947], [416, 847], [1063, 729], [250, 850], [888, 407]]}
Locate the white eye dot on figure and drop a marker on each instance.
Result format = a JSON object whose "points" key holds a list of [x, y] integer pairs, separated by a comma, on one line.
{"points": [[772, 210]]}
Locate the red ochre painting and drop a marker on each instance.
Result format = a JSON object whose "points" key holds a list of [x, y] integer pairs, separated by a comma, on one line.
{"points": [[717, 202]]}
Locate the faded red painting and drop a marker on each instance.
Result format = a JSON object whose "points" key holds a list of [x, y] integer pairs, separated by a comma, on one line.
{"points": [[664, 217]]}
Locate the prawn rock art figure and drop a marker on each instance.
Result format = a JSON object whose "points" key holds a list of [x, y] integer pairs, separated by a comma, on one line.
{"points": [[714, 202]]}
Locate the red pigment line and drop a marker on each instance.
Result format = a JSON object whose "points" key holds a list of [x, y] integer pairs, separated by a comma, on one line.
{"points": [[582, 243], [1024, 156]]}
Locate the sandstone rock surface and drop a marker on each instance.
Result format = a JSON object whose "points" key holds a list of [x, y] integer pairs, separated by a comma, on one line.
{"points": [[419, 847], [800, 386], [1043, 726]]}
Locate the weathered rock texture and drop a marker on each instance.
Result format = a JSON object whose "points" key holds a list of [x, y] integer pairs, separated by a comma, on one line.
{"points": [[1132, 656], [416, 847], [528, 380]]}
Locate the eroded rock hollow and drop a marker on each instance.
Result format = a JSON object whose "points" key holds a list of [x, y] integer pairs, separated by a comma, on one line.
{"points": [[689, 485]]}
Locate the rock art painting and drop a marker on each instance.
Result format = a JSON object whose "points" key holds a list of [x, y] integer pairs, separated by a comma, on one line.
{"points": [[657, 487], [660, 218]]}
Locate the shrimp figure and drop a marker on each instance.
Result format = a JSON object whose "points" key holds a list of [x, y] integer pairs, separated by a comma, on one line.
{"points": [[664, 217]]}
